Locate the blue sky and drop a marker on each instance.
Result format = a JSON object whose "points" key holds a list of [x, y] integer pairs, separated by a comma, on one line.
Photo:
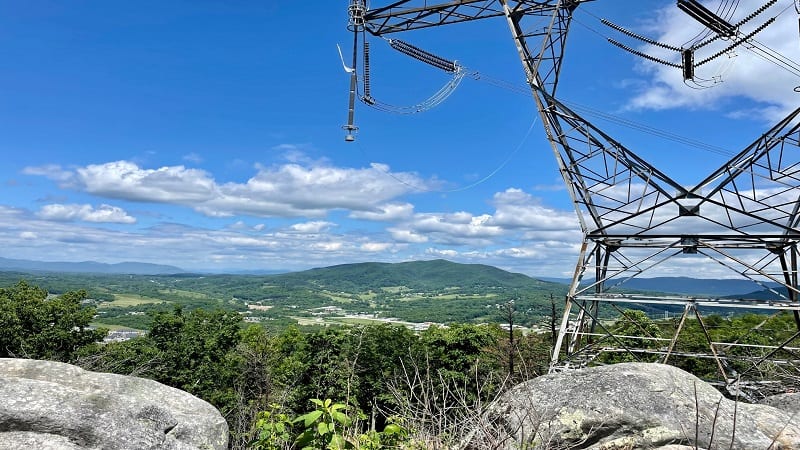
{"points": [[207, 134]]}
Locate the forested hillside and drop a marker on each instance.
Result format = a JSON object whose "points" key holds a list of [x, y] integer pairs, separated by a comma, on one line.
{"points": [[436, 291], [421, 276], [379, 384]]}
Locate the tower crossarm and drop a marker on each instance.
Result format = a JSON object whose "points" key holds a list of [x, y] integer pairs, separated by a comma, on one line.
{"points": [[610, 183], [407, 15], [759, 187]]}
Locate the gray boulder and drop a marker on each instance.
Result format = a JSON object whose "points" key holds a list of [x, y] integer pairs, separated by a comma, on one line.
{"points": [[786, 402], [51, 405], [630, 406]]}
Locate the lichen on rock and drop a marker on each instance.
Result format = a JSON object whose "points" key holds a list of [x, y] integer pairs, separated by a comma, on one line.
{"points": [[46, 404]]}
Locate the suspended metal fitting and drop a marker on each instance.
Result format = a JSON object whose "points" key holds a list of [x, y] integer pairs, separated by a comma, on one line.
{"points": [[707, 18], [422, 55], [736, 43]]}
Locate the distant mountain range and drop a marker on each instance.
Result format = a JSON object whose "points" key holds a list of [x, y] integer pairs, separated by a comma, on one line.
{"points": [[690, 286], [694, 286], [415, 275], [132, 268]]}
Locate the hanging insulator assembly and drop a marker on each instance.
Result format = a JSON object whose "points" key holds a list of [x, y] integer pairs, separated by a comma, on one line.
{"points": [[355, 11], [367, 89], [422, 55]]}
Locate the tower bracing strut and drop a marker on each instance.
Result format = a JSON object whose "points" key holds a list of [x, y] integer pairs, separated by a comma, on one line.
{"points": [[635, 218]]}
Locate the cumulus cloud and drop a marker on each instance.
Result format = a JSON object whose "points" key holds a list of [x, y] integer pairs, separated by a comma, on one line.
{"points": [[461, 228], [407, 235], [741, 73], [288, 190], [440, 253], [517, 215], [376, 246], [518, 209], [86, 213], [389, 212], [126, 180], [193, 248], [51, 171], [314, 227]]}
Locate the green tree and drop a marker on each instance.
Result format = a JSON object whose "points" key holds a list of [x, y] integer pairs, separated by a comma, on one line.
{"points": [[461, 355], [35, 326], [195, 351], [381, 351], [198, 352], [631, 323]]}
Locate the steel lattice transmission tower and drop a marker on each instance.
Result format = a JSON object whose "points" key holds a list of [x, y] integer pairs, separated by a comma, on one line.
{"points": [[744, 215]]}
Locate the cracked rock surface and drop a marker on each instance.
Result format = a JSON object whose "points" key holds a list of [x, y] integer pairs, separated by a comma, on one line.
{"points": [[631, 406], [57, 406]]}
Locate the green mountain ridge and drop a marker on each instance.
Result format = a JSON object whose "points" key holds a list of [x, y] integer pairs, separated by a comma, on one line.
{"points": [[436, 274], [93, 267]]}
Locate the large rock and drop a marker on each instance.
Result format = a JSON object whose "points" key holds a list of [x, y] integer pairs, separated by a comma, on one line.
{"points": [[630, 406], [788, 402], [57, 406]]}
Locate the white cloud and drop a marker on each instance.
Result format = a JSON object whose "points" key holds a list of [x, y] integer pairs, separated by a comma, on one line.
{"points": [[389, 212], [311, 227], [126, 180], [745, 75], [461, 226], [191, 248], [288, 190], [407, 236], [376, 246], [441, 253], [517, 215], [327, 246], [86, 213], [518, 209], [51, 171]]}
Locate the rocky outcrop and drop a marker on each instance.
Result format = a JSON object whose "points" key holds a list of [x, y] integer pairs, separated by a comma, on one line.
{"points": [[630, 406], [51, 405], [786, 402]]}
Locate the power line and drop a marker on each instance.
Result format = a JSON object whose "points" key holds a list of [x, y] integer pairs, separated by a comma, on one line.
{"points": [[667, 135], [484, 179]]}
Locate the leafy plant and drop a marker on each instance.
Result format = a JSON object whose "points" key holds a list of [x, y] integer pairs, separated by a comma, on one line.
{"points": [[326, 427], [274, 430], [323, 426]]}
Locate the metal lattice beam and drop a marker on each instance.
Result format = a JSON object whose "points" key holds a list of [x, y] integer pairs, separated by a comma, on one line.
{"points": [[743, 216]]}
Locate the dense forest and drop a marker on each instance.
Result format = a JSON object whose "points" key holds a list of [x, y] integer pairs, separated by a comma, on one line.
{"points": [[367, 386], [423, 291]]}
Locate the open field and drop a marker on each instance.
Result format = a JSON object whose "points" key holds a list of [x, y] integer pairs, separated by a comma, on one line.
{"points": [[183, 293], [122, 300], [112, 327]]}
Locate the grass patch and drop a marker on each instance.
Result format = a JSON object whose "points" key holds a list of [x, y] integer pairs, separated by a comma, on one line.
{"points": [[358, 320], [309, 320], [393, 289], [122, 300], [447, 297], [183, 293], [111, 327], [338, 298]]}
